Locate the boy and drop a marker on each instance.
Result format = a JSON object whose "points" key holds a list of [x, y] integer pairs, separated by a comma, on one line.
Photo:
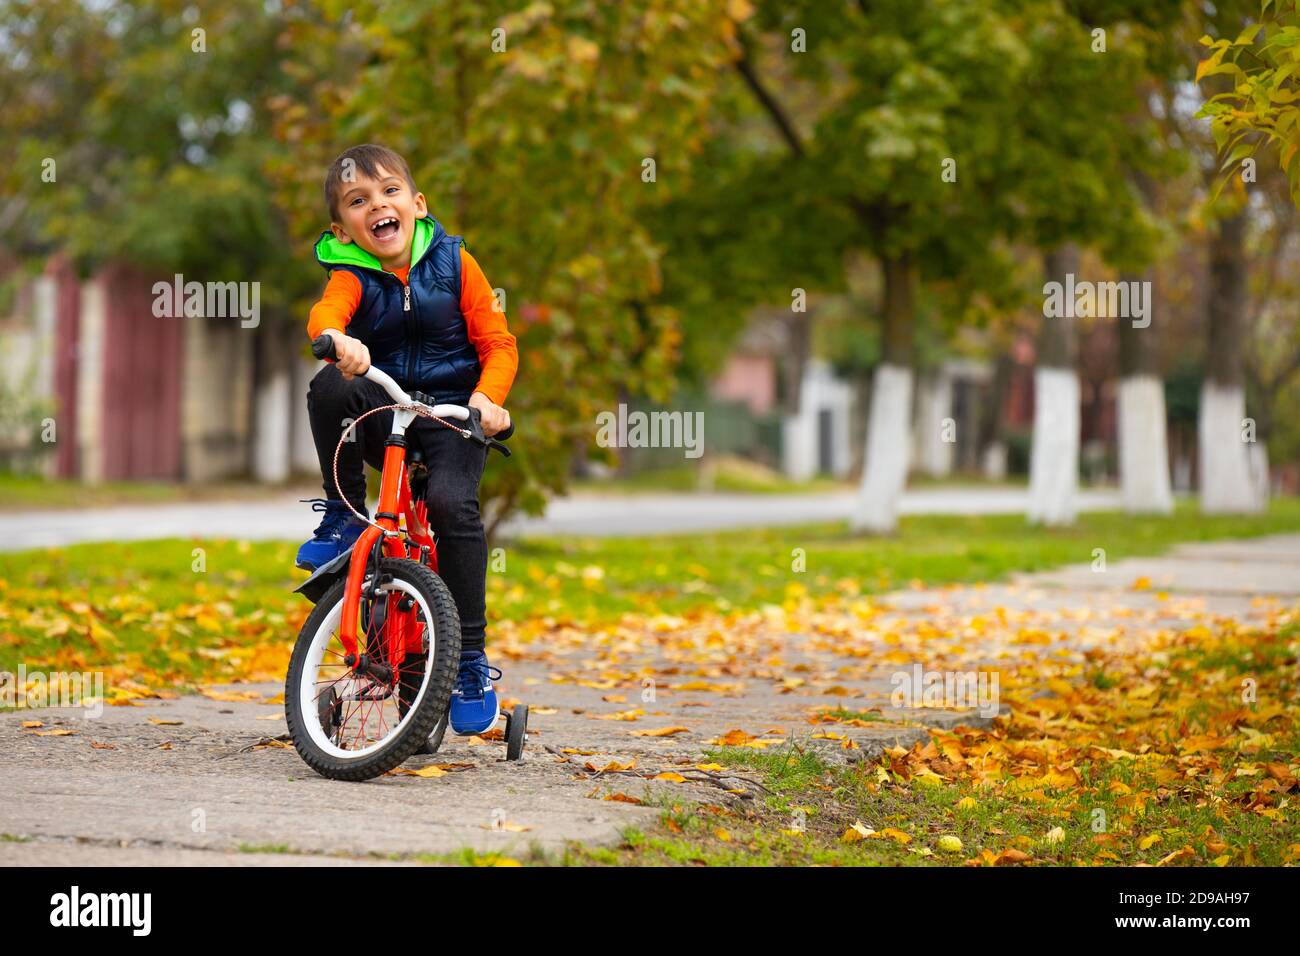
{"points": [[406, 296]]}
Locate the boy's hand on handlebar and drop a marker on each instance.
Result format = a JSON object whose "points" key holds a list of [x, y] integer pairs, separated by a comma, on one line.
{"points": [[492, 416], [353, 356]]}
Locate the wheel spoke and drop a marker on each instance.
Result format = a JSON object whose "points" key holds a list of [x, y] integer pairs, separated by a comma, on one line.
{"points": [[353, 714]]}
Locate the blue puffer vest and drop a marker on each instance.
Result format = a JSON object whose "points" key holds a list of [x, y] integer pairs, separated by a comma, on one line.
{"points": [[416, 332]]}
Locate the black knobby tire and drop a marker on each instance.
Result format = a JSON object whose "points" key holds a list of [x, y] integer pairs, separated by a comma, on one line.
{"points": [[443, 659]]}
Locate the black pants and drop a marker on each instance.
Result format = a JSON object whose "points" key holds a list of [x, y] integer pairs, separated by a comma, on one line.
{"points": [[455, 469]]}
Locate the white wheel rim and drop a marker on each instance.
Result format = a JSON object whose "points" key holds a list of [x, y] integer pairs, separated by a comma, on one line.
{"points": [[309, 692]]}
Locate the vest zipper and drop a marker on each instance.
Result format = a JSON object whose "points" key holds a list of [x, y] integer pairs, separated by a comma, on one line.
{"points": [[413, 327]]}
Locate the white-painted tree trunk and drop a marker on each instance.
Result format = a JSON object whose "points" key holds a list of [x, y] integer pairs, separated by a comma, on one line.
{"points": [[993, 463], [90, 382], [37, 360], [798, 447], [1227, 486], [302, 456], [273, 416], [888, 450], [1257, 458], [935, 430], [1054, 459], [1143, 449]]}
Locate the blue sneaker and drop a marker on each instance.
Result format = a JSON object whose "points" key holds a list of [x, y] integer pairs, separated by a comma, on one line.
{"points": [[335, 534], [474, 707]]}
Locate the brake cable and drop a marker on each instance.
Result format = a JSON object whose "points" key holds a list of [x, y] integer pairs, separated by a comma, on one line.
{"points": [[420, 410]]}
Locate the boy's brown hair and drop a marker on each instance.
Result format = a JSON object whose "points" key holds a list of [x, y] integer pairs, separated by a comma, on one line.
{"points": [[366, 158]]}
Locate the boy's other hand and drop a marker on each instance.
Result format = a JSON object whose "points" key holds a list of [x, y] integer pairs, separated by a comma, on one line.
{"points": [[353, 356], [492, 416]]}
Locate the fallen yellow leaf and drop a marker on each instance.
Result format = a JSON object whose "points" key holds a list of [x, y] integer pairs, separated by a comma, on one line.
{"points": [[622, 798], [661, 732], [429, 771], [859, 831]]}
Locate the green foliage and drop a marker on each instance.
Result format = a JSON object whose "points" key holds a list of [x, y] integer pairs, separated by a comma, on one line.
{"points": [[894, 93], [159, 136], [843, 149], [535, 153], [1258, 110]]}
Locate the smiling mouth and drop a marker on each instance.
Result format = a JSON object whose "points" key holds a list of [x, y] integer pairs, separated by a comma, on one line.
{"points": [[386, 229]]}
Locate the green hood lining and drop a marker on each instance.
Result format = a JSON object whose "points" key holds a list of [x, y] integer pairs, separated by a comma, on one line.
{"points": [[331, 252]]}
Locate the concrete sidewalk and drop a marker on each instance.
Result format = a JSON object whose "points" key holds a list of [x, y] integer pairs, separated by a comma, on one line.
{"points": [[202, 781], [283, 517]]}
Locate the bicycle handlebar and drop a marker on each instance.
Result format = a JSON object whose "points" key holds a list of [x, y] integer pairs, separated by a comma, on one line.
{"points": [[324, 347]]}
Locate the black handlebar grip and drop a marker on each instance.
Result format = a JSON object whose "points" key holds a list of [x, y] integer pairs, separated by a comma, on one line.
{"points": [[505, 433], [323, 347]]}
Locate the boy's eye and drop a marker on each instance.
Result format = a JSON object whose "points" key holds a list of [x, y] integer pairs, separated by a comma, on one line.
{"points": [[391, 189]]}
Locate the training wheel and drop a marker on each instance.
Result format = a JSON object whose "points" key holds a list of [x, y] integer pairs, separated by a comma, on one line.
{"points": [[435, 739], [329, 710], [516, 731], [431, 745]]}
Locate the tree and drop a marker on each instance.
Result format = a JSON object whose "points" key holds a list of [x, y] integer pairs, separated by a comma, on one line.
{"points": [[1143, 421], [1255, 108], [1258, 108], [141, 132], [549, 136], [895, 151], [1075, 183], [1239, 129], [1272, 348]]}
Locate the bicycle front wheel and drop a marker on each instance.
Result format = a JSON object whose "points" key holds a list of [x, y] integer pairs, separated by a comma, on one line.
{"points": [[351, 726]]}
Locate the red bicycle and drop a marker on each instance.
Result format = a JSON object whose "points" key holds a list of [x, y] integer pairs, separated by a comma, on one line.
{"points": [[371, 675]]}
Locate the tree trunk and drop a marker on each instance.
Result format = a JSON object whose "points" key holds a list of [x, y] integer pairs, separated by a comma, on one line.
{"points": [[991, 448], [798, 430], [272, 405], [888, 433], [1226, 477], [302, 456], [935, 438], [1054, 458], [794, 360], [1143, 446]]}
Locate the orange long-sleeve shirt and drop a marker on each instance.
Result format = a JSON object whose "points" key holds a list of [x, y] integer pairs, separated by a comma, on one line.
{"points": [[497, 354]]}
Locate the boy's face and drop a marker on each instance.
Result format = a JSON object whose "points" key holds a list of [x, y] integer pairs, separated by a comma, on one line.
{"points": [[379, 215]]}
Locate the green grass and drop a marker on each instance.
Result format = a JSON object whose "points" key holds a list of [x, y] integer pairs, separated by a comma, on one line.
{"points": [[153, 610], [1214, 804], [591, 579], [799, 824], [278, 848], [967, 480], [25, 492], [726, 475], [143, 605], [843, 713], [814, 803]]}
